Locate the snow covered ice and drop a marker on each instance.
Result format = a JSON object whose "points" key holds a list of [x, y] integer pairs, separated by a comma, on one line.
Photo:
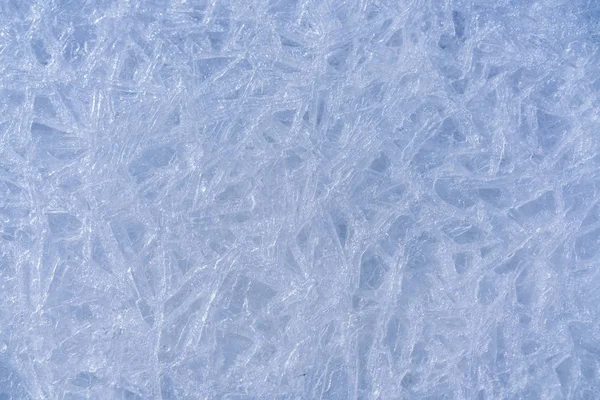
{"points": [[299, 199]]}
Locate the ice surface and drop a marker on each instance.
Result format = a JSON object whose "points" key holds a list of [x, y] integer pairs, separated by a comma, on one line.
{"points": [[297, 199]]}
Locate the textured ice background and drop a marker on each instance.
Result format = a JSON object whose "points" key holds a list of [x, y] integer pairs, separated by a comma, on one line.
{"points": [[280, 199]]}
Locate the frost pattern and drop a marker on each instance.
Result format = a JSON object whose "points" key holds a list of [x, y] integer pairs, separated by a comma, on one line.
{"points": [[298, 199]]}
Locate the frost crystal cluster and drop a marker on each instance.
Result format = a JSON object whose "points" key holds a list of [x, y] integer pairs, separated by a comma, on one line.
{"points": [[299, 199]]}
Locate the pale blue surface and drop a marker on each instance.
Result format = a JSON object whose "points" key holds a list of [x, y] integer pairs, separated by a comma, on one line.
{"points": [[302, 199]]}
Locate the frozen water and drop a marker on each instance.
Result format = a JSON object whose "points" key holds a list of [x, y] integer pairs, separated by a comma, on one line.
{"points": [[298, 199]]}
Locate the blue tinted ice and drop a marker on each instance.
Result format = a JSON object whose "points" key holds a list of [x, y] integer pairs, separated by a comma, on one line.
{"points": [[299, 199]]}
